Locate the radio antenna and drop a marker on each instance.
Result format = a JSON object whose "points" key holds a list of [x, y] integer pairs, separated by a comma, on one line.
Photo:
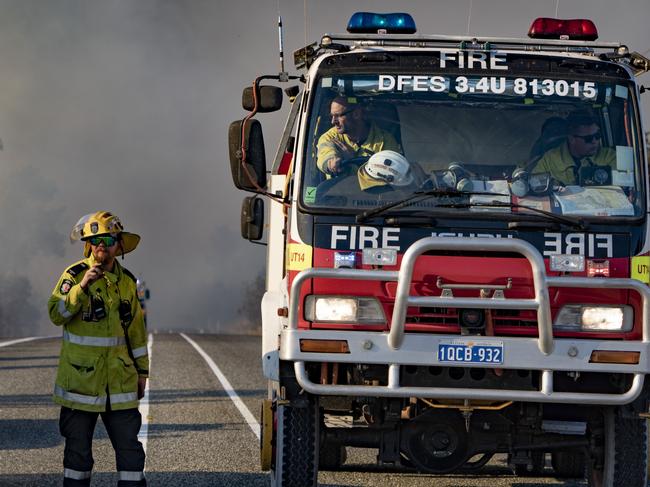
{"points": [[284, 76]]}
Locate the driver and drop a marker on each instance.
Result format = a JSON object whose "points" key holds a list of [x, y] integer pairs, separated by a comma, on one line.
{"points": [[352, 135], [582, 149]]}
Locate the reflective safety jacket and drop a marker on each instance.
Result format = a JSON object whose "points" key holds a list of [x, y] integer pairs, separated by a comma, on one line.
{"points": [[95, 370], [560, 163], [377, 140]]}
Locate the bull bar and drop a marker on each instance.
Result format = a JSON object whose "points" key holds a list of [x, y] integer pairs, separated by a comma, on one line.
{"points": [[396, 349]]}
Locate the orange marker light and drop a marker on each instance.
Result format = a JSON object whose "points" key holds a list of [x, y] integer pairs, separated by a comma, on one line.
{"points": [[614, 357], [324, 346]]}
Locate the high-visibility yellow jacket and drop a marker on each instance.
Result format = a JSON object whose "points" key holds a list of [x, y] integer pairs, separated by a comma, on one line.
{"points": [[560, 163], [95, 368], [378, 139]]}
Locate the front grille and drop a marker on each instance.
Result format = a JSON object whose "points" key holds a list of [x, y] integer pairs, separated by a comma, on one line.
{"points": [[449, 317]]}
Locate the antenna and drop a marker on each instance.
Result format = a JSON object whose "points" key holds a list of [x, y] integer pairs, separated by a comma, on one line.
{"points": [[283, 75]]}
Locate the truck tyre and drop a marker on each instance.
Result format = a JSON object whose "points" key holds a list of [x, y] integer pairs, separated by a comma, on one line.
{"points": [[625, 456], [331, 455], [296, 445], [569, 464]]}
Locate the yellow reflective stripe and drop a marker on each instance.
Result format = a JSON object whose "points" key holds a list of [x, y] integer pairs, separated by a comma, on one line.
{"points": [[133, 476], [63, 311], [79, 398], [76, 474], [140, 352], [93, 341], [124, 397]]}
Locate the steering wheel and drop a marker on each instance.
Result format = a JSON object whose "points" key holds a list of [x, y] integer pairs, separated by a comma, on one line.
{"points": [[346, 164], [349, 169]]}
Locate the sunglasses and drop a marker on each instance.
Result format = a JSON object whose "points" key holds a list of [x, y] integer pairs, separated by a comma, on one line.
{"points": [[108, 241], [336, 116], [589, 138]]}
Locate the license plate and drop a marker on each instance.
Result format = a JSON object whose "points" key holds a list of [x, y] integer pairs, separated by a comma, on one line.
{"points": [[463, 351]]}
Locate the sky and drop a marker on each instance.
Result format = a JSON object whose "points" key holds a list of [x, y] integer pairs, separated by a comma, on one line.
{"points": [[124, 105]]}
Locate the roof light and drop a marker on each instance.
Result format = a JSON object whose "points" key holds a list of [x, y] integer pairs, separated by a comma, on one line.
{"points": [[565, 29], [374, 23]]}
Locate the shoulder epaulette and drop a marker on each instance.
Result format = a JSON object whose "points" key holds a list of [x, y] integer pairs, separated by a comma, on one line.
{"points": [[77, 268], [130, 274]]}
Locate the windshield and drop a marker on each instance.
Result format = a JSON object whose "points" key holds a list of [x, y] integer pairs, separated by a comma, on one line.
{"points": [[564, 143]]}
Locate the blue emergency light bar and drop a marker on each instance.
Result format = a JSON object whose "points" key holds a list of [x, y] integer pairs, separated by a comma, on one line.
{"points": [[374, 23]]}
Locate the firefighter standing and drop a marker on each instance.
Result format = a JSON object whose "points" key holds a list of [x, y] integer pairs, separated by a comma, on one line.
{"points": [[104, 364]]}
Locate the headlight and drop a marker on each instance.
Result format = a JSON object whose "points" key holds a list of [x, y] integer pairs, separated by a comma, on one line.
{"points": [[338, 309], [594, 318]]}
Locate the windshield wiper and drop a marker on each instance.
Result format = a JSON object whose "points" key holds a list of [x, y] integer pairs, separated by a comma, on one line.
{"points": [[420, 196], [566, 220]]}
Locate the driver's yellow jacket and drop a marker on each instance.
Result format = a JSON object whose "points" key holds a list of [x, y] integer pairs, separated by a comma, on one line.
{"points": [[378, 139], [96, 371], [560, 164]]}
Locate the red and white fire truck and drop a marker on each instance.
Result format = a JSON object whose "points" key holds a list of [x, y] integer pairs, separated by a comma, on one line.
{"points": [[478, 289]]}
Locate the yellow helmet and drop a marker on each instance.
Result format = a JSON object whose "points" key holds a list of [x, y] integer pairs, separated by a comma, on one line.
{"points": [[103, 223]]}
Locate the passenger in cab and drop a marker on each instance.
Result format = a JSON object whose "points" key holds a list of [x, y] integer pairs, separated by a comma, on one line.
{"points": [[582, 150], [352, 135]]}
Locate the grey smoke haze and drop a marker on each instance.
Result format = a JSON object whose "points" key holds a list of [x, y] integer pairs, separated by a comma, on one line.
{"points": [[125, 104]]}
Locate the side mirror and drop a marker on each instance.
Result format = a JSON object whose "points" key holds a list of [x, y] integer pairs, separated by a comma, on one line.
{"points": [[255, 165], [252, 218], [269, 99]]}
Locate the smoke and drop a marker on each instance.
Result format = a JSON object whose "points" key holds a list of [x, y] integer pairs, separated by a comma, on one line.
{"points": [[120, 106], [124, 106]]}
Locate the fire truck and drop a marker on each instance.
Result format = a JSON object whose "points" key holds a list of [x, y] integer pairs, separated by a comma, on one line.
{"points": [[470, 275]]}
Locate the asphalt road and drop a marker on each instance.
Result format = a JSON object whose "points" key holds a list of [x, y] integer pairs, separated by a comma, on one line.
{"points": [[196, 435]]}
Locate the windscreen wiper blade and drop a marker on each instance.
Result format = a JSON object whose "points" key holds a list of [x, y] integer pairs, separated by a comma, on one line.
{"points": [[566, 220], [420, 196]]}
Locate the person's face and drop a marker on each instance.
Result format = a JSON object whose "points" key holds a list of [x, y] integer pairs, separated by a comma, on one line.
{"points": [[584, 141], [101, 251], [344, 118]]}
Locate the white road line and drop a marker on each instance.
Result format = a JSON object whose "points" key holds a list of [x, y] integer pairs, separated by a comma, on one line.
{"points": [[144, 403], [244, 411], [21, 340]]}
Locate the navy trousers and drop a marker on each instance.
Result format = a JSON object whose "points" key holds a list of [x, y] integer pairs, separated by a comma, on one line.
{"points": [[122, 426]]}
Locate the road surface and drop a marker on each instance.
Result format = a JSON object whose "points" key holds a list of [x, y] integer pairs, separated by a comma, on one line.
{"points": [[200, 413]]}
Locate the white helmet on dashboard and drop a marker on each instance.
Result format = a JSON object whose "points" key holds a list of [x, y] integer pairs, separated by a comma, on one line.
{"points": [[386, 167]]}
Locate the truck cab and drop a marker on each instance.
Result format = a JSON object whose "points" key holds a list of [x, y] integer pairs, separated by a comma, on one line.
{"points": [[458, 252]]}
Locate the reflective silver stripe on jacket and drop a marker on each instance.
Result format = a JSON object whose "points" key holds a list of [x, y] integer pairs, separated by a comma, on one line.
{"points": [[80, 398], [133, 476], [63, 311], [76, 474], [124, 397], [93, 341], [140, 352]]}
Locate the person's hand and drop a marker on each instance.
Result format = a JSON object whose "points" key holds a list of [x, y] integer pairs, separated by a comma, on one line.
{"points": [[142, 383], [343, 152], [334, 165], [91, 275]]}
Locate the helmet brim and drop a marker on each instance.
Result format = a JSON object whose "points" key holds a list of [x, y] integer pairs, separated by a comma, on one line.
{"points": [[129, 241], [366, 181]]}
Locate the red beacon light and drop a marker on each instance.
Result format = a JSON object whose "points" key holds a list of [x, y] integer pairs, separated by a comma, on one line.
{"points": [[564, 29]]}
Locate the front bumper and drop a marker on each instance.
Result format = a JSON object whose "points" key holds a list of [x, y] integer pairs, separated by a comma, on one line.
{"points": [[396, 348]]}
